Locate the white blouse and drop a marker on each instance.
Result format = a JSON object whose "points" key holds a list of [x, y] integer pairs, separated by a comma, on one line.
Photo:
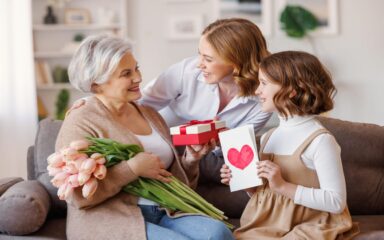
{"points": [[155, 144], [322, 155], [182, 95]]}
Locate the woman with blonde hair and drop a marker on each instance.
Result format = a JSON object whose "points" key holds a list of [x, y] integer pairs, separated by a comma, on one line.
{"points": [[224, 75]]}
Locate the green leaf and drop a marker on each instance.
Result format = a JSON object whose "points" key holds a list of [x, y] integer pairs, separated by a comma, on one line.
{"points": [[62, 103], [296, 21]]}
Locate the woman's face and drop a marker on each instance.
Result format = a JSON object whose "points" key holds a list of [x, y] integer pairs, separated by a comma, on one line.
{"points": [[213, 67], [266, 91], [124, 83]]}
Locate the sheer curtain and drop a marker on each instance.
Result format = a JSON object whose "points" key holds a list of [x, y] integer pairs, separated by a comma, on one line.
{"points": [[18, 110]]}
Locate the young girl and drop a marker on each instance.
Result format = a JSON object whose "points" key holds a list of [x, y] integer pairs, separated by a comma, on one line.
{"points": [[305, 194]]}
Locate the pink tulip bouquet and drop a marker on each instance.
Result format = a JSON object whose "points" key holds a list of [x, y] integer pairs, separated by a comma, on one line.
{"points": [[85, 162]]}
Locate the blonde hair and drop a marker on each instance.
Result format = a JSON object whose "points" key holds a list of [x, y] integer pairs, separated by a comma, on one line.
{"points": [[239, 42], [303, 74], [95, 60]]}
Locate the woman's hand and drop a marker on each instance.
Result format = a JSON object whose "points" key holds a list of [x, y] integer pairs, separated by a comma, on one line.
{"points": [[150, 166], [225, 174], [271, 171], [196, 152]]}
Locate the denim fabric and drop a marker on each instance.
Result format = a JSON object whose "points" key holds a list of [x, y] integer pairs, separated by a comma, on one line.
{"points": [[159, 226]]}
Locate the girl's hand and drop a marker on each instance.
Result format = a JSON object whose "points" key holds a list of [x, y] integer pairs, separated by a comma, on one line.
{"points": [[225, 174], [196, 152], [150, 166], [271, 171]]}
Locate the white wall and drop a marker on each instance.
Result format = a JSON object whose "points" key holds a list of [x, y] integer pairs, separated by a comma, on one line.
{"points": [[355, 56]]}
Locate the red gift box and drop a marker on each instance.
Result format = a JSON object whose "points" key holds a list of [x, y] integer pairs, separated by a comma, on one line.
{"points": [[196, 132]]}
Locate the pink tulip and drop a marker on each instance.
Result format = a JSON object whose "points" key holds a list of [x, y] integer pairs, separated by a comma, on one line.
{"points": [[52, 171], [83, 177], [96, 156], [68, 151], [68, 191], [101, 161], [78, 163], [100, 172], [55, 160], [70, 168], [73, 180], [80, 156], [99, 158], [61, 191], [59, 179], [75, 157], [88, 166], [89, 188], [79, 144]]}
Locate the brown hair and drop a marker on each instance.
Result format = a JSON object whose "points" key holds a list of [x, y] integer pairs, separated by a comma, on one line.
{"points": [[240, 43], [302, 73]]}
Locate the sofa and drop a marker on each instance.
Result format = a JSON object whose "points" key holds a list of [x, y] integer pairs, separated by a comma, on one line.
{"points": [[30, 209]]}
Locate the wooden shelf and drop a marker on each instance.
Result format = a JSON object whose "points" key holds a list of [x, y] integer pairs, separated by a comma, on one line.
{"points": [[240, 7], [53, 54], [54, 44], [55, 86], [73, 27]]}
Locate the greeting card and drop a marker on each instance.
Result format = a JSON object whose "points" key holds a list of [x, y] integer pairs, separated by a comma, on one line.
{"points": [[240, 154]]}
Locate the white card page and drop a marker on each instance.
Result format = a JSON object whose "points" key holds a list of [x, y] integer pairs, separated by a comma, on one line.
{"points": [[240, 154]]}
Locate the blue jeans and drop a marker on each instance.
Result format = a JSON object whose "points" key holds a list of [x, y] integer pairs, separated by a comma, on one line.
{"points": [[159, 226]]}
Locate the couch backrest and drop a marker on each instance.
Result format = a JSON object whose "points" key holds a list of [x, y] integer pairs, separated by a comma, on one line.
{"points": [[362, 153], [45, 146]]}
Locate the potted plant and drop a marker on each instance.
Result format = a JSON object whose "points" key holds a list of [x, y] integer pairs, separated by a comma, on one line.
{"points": [[297, 21], [62, 104]]}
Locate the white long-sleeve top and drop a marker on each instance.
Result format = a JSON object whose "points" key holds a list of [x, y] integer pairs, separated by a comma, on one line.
{"points": [[322, 155], [182, 94]]}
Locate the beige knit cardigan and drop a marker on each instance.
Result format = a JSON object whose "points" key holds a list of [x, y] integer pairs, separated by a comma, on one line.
{"points": [[110, 213]]}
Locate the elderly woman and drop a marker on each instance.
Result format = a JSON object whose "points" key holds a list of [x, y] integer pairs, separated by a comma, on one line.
{"points": [[106, 67]]}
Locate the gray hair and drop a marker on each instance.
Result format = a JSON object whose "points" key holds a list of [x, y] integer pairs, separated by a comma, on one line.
{"points": [[95, 60]]}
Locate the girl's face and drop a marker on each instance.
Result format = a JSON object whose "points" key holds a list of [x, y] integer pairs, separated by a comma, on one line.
{"points": [[124, 83], [213, 67], [266, 91]]}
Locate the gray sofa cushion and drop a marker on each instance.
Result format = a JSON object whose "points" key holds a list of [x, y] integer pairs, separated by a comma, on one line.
{"points": [[362, 153], [6, 183], [44, 146], [23, 208]]}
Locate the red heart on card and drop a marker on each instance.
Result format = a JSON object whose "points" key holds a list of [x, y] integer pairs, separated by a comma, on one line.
{"points": [[240, 159]]}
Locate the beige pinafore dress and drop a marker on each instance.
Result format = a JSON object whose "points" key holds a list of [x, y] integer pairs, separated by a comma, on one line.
{"points": [[269, 215]]}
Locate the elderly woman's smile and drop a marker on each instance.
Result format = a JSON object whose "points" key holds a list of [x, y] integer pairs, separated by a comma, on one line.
{"points": [[124, 83]]}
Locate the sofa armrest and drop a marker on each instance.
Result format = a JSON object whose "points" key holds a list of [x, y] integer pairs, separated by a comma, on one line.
{"points": [[23, 208], [6, 183]]}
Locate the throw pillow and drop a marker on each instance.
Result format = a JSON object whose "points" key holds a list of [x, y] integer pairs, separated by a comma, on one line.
{"points": [[23, 208]]}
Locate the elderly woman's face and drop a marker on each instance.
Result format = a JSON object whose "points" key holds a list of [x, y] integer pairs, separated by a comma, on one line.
{"points": [[124, 84]]}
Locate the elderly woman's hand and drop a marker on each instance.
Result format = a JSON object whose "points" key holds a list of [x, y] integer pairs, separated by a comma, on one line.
{"points": [[150, 166], [196, 152]]}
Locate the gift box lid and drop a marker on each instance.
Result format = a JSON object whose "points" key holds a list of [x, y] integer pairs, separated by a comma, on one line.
{"points": [[194, 127]]}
